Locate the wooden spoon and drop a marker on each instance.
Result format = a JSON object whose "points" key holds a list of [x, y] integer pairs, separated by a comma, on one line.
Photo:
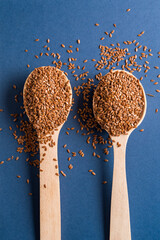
{"points": [[120, 217], [50, 213]]}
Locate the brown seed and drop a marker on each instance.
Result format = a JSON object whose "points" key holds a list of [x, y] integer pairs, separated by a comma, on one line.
{"points": [[30, 194], [48, 40], [141, 130], [62, 45], [104, 182], [36, 56], [102, 38], [96, 24], [158, 76], [44, 185], [28, 65], [156, 67], [63, 173], [157, 90], [128, 10], [26, 50], [70, 166], [1, 162], [114, 25], [18, 176], [77, 49], [156, 110], [36, 40], [65, 145], [150, 95], [93, 173], [78, 41], [27, 181]]}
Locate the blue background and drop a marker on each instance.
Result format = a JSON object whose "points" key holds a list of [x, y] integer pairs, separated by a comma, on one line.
{"points": [[85, 200]]}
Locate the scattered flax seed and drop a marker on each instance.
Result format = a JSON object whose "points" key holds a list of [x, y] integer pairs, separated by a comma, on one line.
{"points": [[77, 49], [118, 144], [28, 65], [63, 173], [156, 110], [48, 48], [93, 60], [85, 61], [30, 194], [67, 133], [18, 176], [96, 24], [73, 154], [27, 181], [26, 50], [44, 185], [41, 54], [78, 41], [47, 54], [141, 130], [62, 45], [98, 156], [36, 40], [106, 33], [54, 159], [158, 76], [36, 56], [48, 40], [1, 162], [102, 38], [44, 46], [90, 170], [68, 150], [105, 160], [56, 166], [93, 173], [81, 153], [150, 95], [157, 90], [128, 10], [114, 25], [156, 67], [155, 83], [65, 145], [70, 166], [104, 182], [69, 158], [57, 174]]}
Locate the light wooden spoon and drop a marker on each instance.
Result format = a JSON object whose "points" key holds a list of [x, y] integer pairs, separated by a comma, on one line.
{"points": [[50, 210], [120, 217]]}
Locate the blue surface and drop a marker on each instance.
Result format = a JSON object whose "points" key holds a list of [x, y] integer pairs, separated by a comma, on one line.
{"points": [[85, 201]]}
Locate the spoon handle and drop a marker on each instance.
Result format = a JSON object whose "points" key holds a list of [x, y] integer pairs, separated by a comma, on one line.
{"points": [[120, 217], [50, 213]]}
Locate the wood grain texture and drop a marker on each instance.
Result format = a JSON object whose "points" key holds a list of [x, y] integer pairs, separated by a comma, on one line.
{"points": [[120, 217], [50, 212]]}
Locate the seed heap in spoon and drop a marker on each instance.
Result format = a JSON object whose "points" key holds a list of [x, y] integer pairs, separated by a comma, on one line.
{"points": [[118, 102], [47, 99]]}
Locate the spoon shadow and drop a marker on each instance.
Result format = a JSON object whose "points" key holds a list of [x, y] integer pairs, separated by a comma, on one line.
{"points": [[11, 106]]}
